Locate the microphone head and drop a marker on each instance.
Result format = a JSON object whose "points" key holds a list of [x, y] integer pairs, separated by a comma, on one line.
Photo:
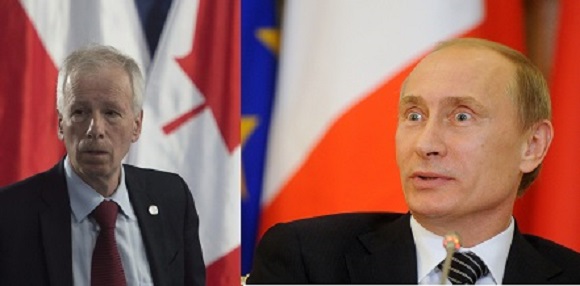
{"points": [[452, 241]]}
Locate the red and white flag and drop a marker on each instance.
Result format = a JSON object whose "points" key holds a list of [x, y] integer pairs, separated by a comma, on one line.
{"points": [[191, 122]]}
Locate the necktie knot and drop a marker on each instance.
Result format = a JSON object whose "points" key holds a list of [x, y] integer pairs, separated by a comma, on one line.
{"points": [[106, 214], [466, 268]]}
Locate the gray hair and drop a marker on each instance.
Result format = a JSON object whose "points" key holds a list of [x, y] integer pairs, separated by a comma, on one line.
{"points": [[94, 57]]}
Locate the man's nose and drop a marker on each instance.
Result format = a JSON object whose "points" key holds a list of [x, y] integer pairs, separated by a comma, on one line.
{"points": [[430, 141], [96, 128]]}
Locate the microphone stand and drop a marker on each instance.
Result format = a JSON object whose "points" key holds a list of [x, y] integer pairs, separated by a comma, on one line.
{"points": [[452, 243]]}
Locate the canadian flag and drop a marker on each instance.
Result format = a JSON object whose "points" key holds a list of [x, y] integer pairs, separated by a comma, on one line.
{"points": [[191, 122]]}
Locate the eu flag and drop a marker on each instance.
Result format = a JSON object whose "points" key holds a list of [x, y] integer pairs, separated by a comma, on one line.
{"points": [[259, 63]]}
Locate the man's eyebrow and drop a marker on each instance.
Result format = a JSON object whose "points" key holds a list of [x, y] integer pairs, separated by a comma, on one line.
{"points": [[411, 100], [452, 100], [464, 100]]}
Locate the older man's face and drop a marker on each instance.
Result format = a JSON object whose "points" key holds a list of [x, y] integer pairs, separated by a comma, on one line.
{"points": [[459, 144], [98, 123]]}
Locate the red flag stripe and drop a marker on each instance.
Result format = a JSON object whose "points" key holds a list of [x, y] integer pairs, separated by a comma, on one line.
{"points": [[28, 116], [551, 207], [226, 270]]}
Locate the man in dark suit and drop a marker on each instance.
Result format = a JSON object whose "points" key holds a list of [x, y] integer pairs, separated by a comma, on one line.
{"points": [[474, 127], [91, 220]]}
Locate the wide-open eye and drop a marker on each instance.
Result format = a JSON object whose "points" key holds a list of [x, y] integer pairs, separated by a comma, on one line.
{"points": [[463, 116], [414, 116]]}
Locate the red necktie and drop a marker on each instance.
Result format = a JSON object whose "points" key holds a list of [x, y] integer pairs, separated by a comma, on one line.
{"points": [[107, 268]]}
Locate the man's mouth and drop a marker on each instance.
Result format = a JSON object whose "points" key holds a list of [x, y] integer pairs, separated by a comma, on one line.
{"points": [[429, 175], [429, 180], [95, 152]]}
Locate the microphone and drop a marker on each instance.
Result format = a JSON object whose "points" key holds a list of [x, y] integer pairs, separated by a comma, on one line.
{"points": [[451, 243]]}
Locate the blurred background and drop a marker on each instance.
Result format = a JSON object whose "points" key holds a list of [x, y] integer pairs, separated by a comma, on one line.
{"points": [[189, 52], [320, 83], [319, 87]]}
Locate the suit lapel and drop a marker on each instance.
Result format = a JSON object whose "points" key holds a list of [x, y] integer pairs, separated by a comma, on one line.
{"points": [[387, 255], [525, 265], [55, 227], [159, 249]]}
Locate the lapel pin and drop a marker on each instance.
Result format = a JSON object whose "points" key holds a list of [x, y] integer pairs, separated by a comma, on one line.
{"points": [[153, 210]]}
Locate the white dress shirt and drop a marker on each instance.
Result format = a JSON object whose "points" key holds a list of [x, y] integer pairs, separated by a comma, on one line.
{"points": [[430, 253], [84, 229]]}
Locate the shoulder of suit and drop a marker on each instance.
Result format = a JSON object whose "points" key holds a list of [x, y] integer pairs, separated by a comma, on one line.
{"points": [[32, 192], [557, 253], [339, 225], [161, 184], [146, 172], [326, 238], [347, 218], [30, 185]]}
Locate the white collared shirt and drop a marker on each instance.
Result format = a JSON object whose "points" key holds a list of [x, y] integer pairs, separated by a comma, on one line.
{"points": [[84, 230], [430, 253]]}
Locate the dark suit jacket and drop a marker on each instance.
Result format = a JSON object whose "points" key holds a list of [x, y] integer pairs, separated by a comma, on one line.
{"points": [[379, 248], [35, 229]]}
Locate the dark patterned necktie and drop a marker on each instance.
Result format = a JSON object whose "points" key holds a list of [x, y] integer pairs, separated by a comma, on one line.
{"points": [[466, 268], [106, 267]]}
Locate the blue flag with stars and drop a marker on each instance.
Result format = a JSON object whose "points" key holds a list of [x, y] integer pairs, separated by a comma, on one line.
{"points": [[259, 64]]}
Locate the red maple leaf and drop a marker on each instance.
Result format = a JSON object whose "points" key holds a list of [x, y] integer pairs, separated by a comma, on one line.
{"points": [[213, 65]]}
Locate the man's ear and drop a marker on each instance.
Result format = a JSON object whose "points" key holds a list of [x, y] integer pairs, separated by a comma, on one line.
{"points": [[537, 145], [60, 132], [137, 124]]}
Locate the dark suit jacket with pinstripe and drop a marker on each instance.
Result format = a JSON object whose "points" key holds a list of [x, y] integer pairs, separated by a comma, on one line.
{"points": [[35, 229], [370, 248]]}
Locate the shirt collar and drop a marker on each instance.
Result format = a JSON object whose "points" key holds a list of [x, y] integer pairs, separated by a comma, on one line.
{"points": [[430, 251], [429, 247], [494, 251], [84, 199]]}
